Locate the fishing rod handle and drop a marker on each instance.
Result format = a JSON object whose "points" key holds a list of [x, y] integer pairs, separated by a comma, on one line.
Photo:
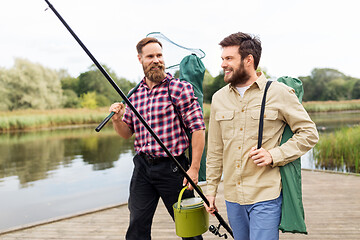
{"points": [[102, 124]]}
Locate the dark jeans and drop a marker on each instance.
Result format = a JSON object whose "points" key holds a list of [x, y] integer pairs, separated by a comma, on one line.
{"points": [[149, 183]]}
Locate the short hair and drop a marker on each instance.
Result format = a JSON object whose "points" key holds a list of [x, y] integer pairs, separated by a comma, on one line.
{"points": [[247, 43], [143, 42]]}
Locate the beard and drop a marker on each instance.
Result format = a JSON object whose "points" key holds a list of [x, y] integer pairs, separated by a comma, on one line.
{"points": [[155, 72], [239, 76]]}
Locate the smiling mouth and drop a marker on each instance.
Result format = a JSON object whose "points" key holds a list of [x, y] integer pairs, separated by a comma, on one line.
{"points": [[227, 72]]}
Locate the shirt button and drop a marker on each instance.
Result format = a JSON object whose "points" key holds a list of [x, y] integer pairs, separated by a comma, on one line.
{"points": [[238, 183], [238, 166], [241, 129], [239, 147], [243, 110], [264, 115]]}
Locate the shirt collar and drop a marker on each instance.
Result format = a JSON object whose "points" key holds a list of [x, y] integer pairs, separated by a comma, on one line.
{"points": [[260, 82]]}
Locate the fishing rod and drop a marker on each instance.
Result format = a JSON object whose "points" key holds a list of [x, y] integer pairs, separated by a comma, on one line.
{"points": [[105, 121], [142, 120]]}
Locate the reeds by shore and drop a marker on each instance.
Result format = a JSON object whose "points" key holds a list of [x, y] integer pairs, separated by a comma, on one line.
{"points": [[332, 106], [340, 149], [34, 119]]}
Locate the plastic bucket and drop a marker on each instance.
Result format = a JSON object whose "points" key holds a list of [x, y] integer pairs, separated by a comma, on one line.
{"points": [[191, 218]]}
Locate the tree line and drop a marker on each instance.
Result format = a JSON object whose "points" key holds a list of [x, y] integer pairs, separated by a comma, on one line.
{"points": [[323, 84], [31, 85]]}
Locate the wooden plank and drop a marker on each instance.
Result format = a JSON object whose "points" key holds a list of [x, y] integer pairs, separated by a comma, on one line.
{"points": [[331, 202]]}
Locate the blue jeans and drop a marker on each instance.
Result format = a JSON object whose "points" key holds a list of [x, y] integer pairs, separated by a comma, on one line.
{"points": [[259, 221]]}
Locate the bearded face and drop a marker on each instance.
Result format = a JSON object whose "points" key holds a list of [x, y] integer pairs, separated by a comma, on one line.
{"points": [[152, 62], [155, 71], [237, 75], [233, 65]]}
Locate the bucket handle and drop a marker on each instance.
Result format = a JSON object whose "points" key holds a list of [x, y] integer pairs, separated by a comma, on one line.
{"points": [[180, 196]]}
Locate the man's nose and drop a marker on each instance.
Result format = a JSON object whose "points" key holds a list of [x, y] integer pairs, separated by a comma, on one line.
{"points": [[156, 59]]}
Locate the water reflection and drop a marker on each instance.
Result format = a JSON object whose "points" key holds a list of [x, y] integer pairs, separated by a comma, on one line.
{"points": [[47, 174], [331, 121], [32, 156]]}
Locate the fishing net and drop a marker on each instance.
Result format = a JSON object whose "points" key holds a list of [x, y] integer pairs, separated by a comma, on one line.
{"points": [[191, 69], [173, 52]]}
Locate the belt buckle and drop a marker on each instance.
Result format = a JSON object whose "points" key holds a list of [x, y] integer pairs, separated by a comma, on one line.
{"points": [[149, 158]]}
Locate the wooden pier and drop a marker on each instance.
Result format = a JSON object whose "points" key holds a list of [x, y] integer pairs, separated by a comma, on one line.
{"points": [[331, 202]]}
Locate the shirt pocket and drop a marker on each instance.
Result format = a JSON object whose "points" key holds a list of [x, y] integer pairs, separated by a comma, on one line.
{"points": [[226, 121], [270, 117]]}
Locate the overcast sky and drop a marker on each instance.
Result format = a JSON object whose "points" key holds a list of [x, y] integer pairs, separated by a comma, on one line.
{"points": [[297, 36]]}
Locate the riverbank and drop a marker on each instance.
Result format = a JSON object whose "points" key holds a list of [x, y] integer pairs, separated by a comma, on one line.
{"points": [[37, 119], [332, 106]]}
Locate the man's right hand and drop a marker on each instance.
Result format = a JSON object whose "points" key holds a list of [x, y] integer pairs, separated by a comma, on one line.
{"points": [[118, 109], [119, 125], [212, 208]]}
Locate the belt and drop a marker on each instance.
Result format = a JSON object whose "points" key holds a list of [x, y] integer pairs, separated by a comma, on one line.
{"points": [[153, 159]]}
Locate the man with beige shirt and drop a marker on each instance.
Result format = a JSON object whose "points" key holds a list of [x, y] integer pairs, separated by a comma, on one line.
{"points": [[252, 181]]}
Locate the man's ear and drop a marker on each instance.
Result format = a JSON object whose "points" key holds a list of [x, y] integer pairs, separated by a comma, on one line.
{"points": [[249, 60], [139, 58]]}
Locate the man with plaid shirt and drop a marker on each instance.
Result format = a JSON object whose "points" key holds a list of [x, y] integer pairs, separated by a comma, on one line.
{"points": [[155, 175]]}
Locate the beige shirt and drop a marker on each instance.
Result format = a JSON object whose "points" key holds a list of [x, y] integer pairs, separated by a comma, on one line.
{"points": [[233, 131]]}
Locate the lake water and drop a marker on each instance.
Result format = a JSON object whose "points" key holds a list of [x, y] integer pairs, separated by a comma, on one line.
{"points": [[47, 174], [53, 173]]}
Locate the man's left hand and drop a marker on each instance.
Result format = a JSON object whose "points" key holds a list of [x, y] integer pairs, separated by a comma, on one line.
{"points": [[261, 157], [193, 174]]}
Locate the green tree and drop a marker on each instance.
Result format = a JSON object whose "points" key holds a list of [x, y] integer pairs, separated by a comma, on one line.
{"points": [[4, 100], [30, 85], [355, 93], [70, 99], [316, 86], [217, 83], [329, 84], [88, 100], [336, 89], [70, 86], [68, 82], [94, 81]]}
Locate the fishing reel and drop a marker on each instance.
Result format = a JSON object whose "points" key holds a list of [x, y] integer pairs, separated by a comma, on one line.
{"points": [[215, 231]]}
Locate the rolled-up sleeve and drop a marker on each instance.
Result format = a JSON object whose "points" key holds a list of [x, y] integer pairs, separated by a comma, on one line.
{"points": [[190, 109]]}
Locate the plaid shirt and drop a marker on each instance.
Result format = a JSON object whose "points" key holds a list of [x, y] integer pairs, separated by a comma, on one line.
{"points": [[155, 107]]}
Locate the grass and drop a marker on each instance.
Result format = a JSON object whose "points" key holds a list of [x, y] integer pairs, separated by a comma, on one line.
{"points": [[340, 148], [332, 106], [316, 106], [35, 119]]}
